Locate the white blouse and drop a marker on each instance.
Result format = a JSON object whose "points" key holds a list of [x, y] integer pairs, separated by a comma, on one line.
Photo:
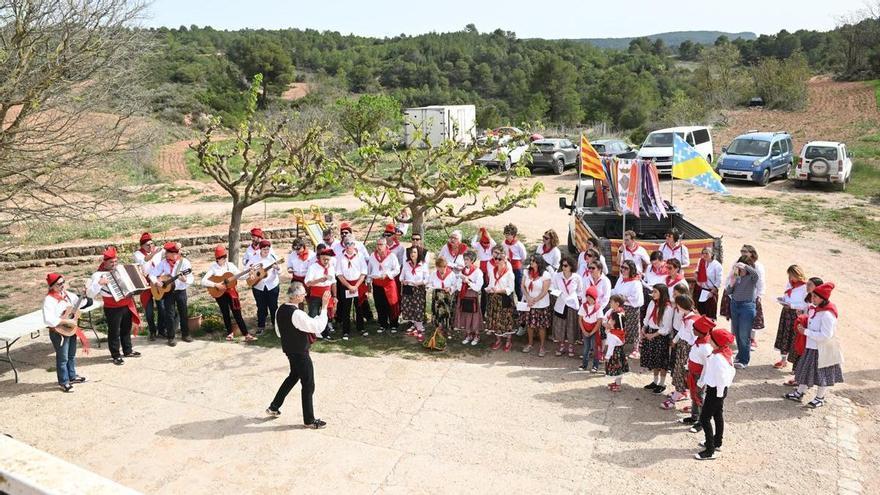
{"points": [[506, 282], [298, 267], [717, 373], [650, 278], [570, 291], [679, 252], [699, 353], [536, 286], [798, 297], [450, 282], [664, 326], [820, 328], [603, 289], [474, 280], [552, 257], [631, 292], [420, 277], [316, 271]]}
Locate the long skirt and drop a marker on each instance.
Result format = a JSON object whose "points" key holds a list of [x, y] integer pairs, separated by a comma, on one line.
{"points": [[566, 329], [536, 318], [499, 320], [655, 353], [441, 308], [793, 358], [785, 333], [725, 305], [632, 325], [678, 365], [412, 306], [709, 307], [809, 373], [617, 364], [758, 324], [470, 322]]}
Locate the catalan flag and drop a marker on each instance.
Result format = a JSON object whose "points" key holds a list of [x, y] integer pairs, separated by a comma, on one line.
{"points": [[688, 163], [591, 162]]}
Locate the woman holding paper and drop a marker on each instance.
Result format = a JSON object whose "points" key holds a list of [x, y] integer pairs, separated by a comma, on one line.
{"points": [[567, 287], [708, 283], [413, 278], [793, 300], [536, 307], [499, 290], [467, 313], [629, 286]]}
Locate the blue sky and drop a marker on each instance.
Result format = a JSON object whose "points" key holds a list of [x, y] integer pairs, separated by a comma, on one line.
{"points": [[554, 19]]}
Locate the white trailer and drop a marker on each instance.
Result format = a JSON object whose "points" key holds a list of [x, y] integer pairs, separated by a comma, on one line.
{"points": [[439, 123]]}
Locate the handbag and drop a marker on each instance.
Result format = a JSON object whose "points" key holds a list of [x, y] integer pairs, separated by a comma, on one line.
{"points": [[408, 290], [469, 305], [829, 353], [506, 301]]}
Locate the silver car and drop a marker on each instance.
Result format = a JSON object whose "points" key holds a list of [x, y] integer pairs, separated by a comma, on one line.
{"points": [[611, 147], [555, 154]]}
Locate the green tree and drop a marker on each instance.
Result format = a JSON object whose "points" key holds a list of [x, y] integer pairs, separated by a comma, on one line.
{"points": [[782, 84], [366, 115], [261, 55], [718, 78]]}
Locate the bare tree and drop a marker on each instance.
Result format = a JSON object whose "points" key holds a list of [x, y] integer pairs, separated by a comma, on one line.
{"points": [[68, 73], [275, 158]]}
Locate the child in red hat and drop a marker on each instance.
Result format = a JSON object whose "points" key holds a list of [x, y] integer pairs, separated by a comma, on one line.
{"points": [[716, 377]]}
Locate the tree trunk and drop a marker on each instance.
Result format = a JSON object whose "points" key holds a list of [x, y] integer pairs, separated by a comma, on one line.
{"points": [[234, 236], [418, 222]]}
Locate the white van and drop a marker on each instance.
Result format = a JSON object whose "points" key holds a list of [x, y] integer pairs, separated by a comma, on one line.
{"points": [[658, 145]]}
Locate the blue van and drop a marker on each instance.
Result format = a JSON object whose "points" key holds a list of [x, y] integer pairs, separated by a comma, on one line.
{"points": [[757, 157]]}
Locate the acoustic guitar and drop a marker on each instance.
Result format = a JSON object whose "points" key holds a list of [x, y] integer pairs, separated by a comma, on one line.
{"points": [[166, 283], [259, 272], [229, 279], [71, 313]]}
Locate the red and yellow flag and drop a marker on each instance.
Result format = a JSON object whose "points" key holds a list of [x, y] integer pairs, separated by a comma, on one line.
{"points": [[591, 162]]}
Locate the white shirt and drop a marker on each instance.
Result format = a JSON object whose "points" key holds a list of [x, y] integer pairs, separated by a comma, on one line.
{"points": [[583, 264], [251, 254], [679, 252], [570, 293], [640, 257], [454, 262], [351, 269], [685, 326], [506, 282], [449, 282], [797, 298], [820, 328], [650, 278], [53, 308], [664, 326], [215, 270], [316, 271], [713, 275], [164, 268], [147, 266], [420, 277], [483, 254], [717, 373], [474, 281], [298, 267], [272, 280], [699, 353], [631, 292], [516, 251], [338, 248], [552, 257], [537, 286], [603, 289], [389, 267], [760, 286], [590, 318], [96, 290], [399, 251], [305, 323], [671, 288]]}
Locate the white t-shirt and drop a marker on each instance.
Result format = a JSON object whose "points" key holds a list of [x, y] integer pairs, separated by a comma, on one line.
{"points": [[533, 288]]}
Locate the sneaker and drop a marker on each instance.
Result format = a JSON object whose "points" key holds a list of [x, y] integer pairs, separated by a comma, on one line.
{"points": [[118, 361], [753, 344], [794, 396], [559, 351], [365, 334], [688, 420], [272, 412], [393, 331], [659, 389], [705, 456], [594, 369], [475, 341], [527, 349], [78, 379], [541, 352], [132, 354], [345, 337], [187, 339], [582, 368], [172, 343], [816, 403], [317, 424], [380, 330], [703, 444], [696, 428], [66, 388], [230, 337], [739, 366], [466, 341]]}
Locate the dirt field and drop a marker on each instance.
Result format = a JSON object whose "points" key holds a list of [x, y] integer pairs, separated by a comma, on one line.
{"points": [[296, 91]]}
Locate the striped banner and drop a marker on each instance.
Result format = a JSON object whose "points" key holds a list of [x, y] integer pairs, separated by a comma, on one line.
{"points": [[591, 163]]}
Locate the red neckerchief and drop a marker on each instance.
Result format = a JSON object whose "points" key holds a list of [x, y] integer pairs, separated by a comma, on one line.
{"points": [[495, 266], [382, 259], [725, 351], [701, 338], [533, 275], [456, 253], [593, 283], [171, 264], [442, 278], [394, 246], [632, 252], [673, 249], [591, 311], [675, 281], [467, 273], [349, 258], [142, 251], [794, 285], [566, 282], [327, 269], [663, 270], [702, 275], [509, 249], [632, 279], [828, 307], [689, 316], [58, 296], [413, 267], [545, 249], [654, 313], [303, 254]]}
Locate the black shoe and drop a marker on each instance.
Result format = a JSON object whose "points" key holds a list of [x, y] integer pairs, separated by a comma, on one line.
{"points": [[66, 388], [187, 339], [705, 456], [687, 420], [650, 386], [78, 379], [659, 389], [172, 343], [133, 354], [152, 337], [703, 444], [273, 412], [118, 361], [317, 424], [696, 428]]}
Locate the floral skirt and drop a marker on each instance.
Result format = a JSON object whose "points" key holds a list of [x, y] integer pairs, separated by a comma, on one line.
{"points": [[725, 305], [469, 322], [441, 308], [617, 364], [499, 320], [412, 306], [709, 307], [785, 333], [678, 365], [536, 318], [758, 324], [809, 373], [566, 329], [655, 353], [632, 325]]}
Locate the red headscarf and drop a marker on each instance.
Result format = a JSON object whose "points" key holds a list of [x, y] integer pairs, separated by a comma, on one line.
{"points": [[723, 339]]}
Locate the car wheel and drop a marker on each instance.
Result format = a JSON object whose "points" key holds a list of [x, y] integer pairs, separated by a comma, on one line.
{"points": [[765, 178], [559, 168], [840, 186], [788, 170], [800, 184]]}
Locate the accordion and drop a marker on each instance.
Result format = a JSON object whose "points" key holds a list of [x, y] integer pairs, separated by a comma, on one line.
{"points": [[125, 281]]}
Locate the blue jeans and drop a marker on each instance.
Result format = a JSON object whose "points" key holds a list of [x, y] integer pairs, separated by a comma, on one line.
{"points": [[742, 315], [517, 283], [65, 357], [589, 345]]}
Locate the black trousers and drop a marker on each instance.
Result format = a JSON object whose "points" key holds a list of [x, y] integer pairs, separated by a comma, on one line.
{"points": [[225, 303], [343, 311], [301, 369], [313, 308], [267, 305], [176, 314], [152, 310], [118, 329], [713, 408], [383, 309]]}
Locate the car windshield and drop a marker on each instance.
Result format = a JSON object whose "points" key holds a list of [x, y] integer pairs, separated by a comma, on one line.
{"points": [[600, 148], [826, 152], [748, 147], [545, 146], [660, 139]]}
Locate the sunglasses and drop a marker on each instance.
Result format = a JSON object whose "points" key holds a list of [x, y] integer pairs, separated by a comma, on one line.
{"points": [[624, 269], [546, 238], [416, 239], [565, 265], [594, 268]]}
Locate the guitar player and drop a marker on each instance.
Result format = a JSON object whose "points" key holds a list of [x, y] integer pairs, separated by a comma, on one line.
{"points": [[229, 301], [175, 300], [266, 290], [55, 314]]}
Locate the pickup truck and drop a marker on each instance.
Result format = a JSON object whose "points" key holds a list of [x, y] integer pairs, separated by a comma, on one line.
{"points": [[589, 219]]}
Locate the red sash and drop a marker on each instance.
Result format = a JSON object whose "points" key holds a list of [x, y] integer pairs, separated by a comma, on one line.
{"points": [[515, 264], [362, 291], [694, 371], [318, 290], [702, 275]]}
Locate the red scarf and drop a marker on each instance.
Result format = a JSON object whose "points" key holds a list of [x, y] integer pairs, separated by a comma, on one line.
{"points": [[725, 351], [674, 281], [442, 277], [533, 275], [566, 282], [171, 264], [663, 270], [516, 264], [456, 253], [702, 275], [654, 313], [828, 307], [632, 279], [632, 251], [303, 254], [498, 274], [795, 285], [412, 268], [349, 258], [701, 339], [79, 333], [618, 331], [467, 273], [588, 327], [382, 259], [392, 247], [545, 249], [327, 269]]}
